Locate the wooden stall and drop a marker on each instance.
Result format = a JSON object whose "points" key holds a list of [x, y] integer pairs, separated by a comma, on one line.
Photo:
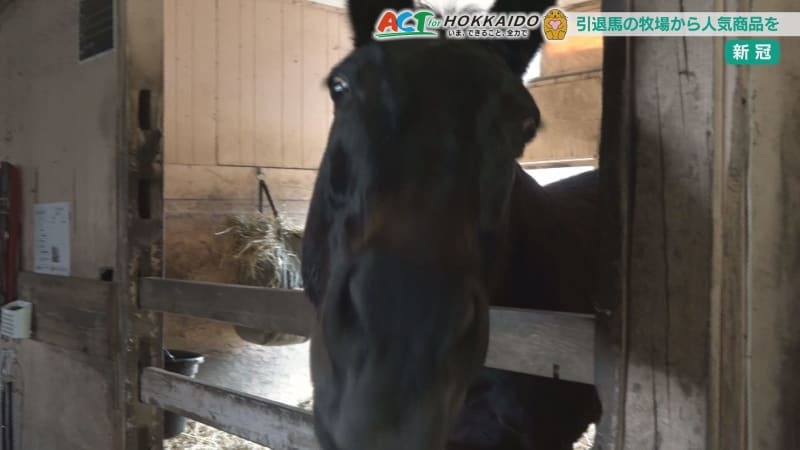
{"points": [[693, 345], [696, 156], [58, 124], [244, 101]]}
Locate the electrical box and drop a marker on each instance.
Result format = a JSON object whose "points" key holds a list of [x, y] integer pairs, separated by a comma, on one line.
{"points": [[16, 319]]}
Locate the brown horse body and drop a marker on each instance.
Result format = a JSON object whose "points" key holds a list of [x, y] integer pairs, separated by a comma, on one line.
{"points": [[546, 263]]}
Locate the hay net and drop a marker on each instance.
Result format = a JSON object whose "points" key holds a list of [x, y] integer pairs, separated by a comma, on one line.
{"points": [[266, 250]]}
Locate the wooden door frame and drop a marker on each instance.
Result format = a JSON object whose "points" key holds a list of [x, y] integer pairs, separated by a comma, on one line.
{"points": [[139, 333]]}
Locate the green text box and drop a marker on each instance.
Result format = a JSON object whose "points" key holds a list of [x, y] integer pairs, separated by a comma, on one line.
{"points": [[752, 51]]}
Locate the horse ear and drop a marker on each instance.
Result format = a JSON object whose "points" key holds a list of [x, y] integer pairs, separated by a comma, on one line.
{"points": [[364, 13], [519, 53]]}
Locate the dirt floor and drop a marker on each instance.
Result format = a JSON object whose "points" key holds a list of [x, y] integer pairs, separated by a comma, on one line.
{"points": [[280, 373]]}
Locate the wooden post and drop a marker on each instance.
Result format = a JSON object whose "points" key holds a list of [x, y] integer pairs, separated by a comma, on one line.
{"points": [[656, 163], [668, 308], [758, 406], [140, 197], [615, 173]]}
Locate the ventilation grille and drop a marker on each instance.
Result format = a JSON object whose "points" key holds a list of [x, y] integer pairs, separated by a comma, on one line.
{"points": [[96, 27]]}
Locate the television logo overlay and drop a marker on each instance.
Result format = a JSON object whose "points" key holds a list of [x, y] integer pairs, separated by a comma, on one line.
{"points": [[423, 23], [751, 35]]}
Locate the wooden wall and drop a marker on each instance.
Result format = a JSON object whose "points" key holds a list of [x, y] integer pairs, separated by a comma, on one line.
{"points": [[570, 104], [760, 342], [569, 95], [667, 382], [708, 349], [200, 199], [244, 92], [245, 81], [58, 122], [244, 85]]}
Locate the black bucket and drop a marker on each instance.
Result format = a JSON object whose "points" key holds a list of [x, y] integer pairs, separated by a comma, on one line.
{"points": [[184, 363]]}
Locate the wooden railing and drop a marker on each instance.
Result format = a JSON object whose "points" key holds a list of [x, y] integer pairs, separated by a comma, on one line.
{"points": [[539, 343]]}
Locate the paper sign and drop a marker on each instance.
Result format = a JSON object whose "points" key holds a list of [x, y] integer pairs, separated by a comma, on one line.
{"points": [[51, 233]]}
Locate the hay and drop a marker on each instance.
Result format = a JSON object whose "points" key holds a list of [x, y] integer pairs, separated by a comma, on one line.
{"points": [[265, 250], [202, 437], [198, 436]]}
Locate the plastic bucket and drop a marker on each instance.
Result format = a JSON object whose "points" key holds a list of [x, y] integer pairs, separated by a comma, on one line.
{"points": [[185, 363]]}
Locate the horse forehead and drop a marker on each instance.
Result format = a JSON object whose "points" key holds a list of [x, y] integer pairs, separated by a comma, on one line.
{"points": [[425, 57], [441, 54]]}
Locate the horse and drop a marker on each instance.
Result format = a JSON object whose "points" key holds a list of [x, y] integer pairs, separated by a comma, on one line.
{"points": [[420, 219]]}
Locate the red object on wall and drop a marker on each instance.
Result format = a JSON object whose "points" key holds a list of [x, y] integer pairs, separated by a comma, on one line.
{"points": [[10, 229]]}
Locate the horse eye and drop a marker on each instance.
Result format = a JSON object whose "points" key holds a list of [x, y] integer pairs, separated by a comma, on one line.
{"points": [[529, 128], [338, 87]]}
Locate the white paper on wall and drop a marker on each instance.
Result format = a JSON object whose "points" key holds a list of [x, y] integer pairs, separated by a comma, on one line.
{"points": [[51, 236]]}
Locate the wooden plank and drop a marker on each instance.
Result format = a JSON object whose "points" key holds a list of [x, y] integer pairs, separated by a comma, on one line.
{"points": [[184, 80], [61, 399], [204, 81], [534, 342], [78, 293], [247, 67], [773, 252], [243, 90], [291, 184], [72, 329], [269, 89], [316, 121], [189, 182], [345, 36], [170, 81], [69, 313], [543, 343], [729, 325], [574, 55], [614, 190], [571, 114], [137, 335], [229, 83], [198, 210], [255, 307], [272, 424], [293, 88]]}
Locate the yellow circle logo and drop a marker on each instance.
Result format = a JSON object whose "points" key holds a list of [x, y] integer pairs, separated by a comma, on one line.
{"points": [[555, 25]]}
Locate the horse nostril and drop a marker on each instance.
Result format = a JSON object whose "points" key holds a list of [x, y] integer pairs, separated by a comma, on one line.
{"points": [[345, 307]]}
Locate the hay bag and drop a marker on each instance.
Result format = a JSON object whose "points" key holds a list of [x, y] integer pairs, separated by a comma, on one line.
{"points": [[265, 251]]}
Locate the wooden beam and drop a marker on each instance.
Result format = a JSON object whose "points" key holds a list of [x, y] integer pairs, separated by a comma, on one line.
{"points": [[280, 310], [138, 335], [543, 343], [269, 423], [70, 313], [83, 294]]}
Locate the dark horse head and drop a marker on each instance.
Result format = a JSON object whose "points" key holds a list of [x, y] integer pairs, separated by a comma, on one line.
{"points": [[410, 197]]}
